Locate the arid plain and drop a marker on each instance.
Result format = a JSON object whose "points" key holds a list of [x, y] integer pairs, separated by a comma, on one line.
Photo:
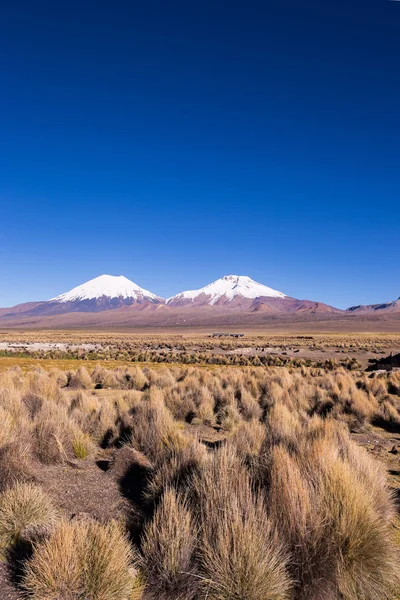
{"points": [[117, 449]]}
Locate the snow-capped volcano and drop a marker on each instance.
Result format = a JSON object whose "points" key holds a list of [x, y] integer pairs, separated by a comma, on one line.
{"points": [[228, 289], [107, 286], [106, 292]]}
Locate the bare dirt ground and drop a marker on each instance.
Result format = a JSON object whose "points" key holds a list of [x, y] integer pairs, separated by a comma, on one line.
{"points": [[384, 445], [8, 591], [83, 488]]}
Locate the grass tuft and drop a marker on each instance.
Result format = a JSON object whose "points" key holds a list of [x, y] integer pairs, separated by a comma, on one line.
{"points": [[25, 510], [82, 560]]}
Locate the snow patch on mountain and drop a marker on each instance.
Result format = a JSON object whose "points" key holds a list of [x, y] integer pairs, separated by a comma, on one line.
{"points": [[109, 286], [229, 287]]}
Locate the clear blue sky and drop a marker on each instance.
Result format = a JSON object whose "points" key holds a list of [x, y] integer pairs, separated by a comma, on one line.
{"points": [[176, 142]]}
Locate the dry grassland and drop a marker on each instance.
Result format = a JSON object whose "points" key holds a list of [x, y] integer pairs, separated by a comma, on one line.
{"points": [[219, 483]]}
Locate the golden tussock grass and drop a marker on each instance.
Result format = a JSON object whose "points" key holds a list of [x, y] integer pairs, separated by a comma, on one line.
{"points": [[82, 560], [240, 554], [168, 547], [244, 483], [25, 510]]}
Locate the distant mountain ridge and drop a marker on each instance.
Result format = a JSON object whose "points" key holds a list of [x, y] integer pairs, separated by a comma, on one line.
{"points": [[230, 299], [391, 306]]}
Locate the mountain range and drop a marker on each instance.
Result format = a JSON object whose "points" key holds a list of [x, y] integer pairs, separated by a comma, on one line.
{"points": [[234, 299]]}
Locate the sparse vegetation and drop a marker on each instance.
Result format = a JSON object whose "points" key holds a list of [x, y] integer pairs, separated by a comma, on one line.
{"points": [[328, 351], [241, 483]]}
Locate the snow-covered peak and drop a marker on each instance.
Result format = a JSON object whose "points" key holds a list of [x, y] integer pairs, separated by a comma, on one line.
{"points": [[229, 287], [109, 286]]}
